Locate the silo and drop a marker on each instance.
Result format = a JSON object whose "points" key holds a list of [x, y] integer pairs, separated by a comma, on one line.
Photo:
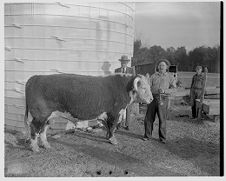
{"points": [[47, 38]]}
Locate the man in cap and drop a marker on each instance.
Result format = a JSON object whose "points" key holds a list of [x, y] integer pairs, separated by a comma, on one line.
{"points": [[197, 84], [126, 70], [160, 83]]}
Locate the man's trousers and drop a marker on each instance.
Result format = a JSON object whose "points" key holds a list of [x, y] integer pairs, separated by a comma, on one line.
{"points": [[157, 106], [195, 94]]}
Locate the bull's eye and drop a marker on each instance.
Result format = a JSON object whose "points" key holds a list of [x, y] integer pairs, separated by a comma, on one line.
{"points": [[143, 89]]}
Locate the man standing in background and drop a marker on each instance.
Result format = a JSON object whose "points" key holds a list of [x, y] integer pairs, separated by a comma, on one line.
{"points": [[126, 70], [197, 85], [160, 83]]}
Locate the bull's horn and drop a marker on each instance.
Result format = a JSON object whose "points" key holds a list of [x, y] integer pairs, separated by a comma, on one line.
{"points": [[135, 83]]}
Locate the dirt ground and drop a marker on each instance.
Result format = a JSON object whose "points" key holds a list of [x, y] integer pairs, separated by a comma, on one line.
{"points": [[192, 149]]}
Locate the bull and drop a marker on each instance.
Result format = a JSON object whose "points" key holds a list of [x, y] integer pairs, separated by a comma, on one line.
{"points": [[83, 97]]}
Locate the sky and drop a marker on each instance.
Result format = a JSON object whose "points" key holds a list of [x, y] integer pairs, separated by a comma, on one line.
{"points": [[190, 24]]}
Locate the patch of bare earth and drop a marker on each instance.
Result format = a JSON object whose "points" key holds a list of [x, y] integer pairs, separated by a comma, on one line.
{"points": [[192, 149]]}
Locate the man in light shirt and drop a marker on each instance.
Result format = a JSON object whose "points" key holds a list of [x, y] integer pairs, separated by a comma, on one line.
{"points": [[161, 82]]}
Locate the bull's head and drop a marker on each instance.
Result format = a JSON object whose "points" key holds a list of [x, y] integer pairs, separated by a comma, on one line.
{"points": [[141, 91]]}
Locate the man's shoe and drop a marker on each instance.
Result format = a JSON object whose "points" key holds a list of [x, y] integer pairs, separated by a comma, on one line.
{"points": [[126, 128], [145, 139]]}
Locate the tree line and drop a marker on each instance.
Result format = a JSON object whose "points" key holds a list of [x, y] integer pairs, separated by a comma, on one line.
{"points": [[185, 60]]}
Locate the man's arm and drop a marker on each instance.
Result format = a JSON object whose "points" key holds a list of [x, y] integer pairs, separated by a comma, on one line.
{"points": [[172, 85]]}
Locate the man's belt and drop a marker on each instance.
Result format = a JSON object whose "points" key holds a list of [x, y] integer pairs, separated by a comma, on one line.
{"points": [[196, 88]]}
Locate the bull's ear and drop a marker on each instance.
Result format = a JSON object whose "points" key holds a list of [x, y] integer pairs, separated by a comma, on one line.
{"points": [[136, 83]]}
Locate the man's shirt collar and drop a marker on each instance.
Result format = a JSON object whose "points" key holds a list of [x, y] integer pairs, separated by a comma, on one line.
{"points": [[161, 74]]}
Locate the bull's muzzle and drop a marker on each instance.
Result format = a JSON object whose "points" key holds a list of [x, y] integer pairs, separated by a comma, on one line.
{"points": [[150, 100]]}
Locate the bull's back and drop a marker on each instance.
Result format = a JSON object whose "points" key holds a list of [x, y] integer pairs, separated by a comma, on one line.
{"points": [[85, 97]]}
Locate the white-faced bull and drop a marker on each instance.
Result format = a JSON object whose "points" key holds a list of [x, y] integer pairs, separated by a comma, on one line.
{"points": [[84, 97]]}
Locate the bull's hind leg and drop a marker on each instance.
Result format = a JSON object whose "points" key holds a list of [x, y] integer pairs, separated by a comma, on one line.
{"points": [[111, 135], [113, 126], [27, 122], [44, 138], [34, 137]]}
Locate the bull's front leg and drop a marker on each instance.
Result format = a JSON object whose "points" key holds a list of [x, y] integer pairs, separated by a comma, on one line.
{"points": [[110, 134], [116, 122], [34, 138]]}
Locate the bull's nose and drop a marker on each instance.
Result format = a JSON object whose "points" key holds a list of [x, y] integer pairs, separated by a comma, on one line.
{"points": [[151, 100]]}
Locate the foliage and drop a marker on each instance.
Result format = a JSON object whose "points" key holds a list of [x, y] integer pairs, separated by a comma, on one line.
{"points": [[186, 61]]}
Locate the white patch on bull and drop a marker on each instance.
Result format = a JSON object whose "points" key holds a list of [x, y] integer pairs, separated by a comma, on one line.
{"points": [[65, 115], [34, 144], [113, 140], [122, 115], [70, 125], [54, 115], [43, 138], [102, 117]]}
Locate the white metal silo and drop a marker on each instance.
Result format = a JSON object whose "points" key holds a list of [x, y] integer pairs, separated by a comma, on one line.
{"points": [[47, 38]]}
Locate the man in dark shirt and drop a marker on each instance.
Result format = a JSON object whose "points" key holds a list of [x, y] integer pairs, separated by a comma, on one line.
{"points": [[196, 89], [126, 70]]}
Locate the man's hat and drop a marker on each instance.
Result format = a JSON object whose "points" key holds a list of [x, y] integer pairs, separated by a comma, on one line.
{"points": [[124, 58]]}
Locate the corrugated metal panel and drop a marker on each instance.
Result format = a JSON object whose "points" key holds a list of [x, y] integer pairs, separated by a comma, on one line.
{"points": [[47, 38]]}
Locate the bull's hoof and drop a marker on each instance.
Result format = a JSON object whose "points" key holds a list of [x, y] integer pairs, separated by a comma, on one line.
{"points": [[27, 141], [47, 146], [113, 141], [35, 149]]}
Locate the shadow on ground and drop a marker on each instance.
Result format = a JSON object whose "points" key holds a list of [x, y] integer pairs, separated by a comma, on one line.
{"points": [[122, 160], [198, 152]]}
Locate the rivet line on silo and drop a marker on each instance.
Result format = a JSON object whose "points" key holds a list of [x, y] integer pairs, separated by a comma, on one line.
{"points": [[63, 5], [57, 38], [16, 26], [19, 60]]}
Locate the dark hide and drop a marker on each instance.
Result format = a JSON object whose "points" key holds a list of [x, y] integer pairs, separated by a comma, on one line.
{"points": [[84, 97]]}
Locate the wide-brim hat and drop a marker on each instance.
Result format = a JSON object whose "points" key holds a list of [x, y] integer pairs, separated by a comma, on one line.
{"points": [[162, 60], [124, 58]]}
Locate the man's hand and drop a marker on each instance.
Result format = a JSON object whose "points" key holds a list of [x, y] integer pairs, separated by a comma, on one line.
{"points": [[161, 91]]}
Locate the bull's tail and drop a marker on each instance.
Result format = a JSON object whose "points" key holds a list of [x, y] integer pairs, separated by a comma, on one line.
{"points": [[26, 123]]}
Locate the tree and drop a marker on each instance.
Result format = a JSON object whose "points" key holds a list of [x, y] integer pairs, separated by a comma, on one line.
{"points": [[205, 56], [170, 55], [155, 53], [181, 59]]}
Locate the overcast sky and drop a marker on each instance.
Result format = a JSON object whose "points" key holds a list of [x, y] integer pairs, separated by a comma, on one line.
{"points": [[178, 24]]}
